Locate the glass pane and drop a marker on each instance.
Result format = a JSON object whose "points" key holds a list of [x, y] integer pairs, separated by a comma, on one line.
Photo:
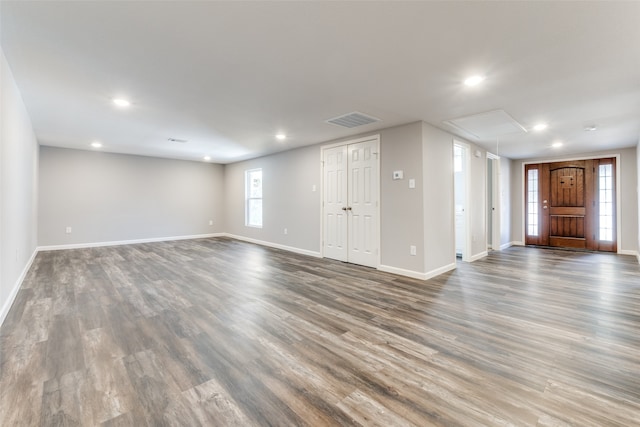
{"points": [[532, 202], [605, 205], [253, 202], [254, 212], [457, 159], [255, 183]]}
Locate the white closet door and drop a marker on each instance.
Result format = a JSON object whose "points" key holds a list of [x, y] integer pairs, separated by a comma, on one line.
{"points": [[335, 203], [363, 203], [350, 202]]}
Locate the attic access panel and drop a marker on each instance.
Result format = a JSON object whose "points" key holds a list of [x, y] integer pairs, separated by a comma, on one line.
{"points": [[487, 125]]}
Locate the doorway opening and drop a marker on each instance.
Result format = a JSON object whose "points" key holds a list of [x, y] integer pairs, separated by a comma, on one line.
{"points": [[461, 174]]}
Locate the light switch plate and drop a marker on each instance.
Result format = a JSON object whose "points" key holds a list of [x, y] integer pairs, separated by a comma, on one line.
{"points": [[412, 183]]}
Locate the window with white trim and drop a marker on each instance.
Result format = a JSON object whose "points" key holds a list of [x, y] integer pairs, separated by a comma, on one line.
{"points": [[253, 198]]}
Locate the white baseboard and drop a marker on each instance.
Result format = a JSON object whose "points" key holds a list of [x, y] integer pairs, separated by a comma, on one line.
{"points": [[478, 256], [16, 287], [441, 270], [416, 274], [628, 252], [506, 245], [403, 272], [516, 243], [126, 242], [274, 245]]}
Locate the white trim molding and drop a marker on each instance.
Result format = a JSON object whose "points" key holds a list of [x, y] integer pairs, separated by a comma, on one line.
{"points": [[478, 256], [506, 245], [126, 242], [16, 287], [315, 254], [416, 274]]}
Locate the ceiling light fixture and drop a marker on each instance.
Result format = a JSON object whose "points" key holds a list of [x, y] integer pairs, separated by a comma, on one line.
{"points": [[206, 158], [557, 144], [474, 80], [281, 136], [590, 128], [540, 126], [182, 141], [96, 144], [120, 102]]}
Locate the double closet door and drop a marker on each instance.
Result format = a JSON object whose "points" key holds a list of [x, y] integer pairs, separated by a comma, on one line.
{"points": [[350, 202]]}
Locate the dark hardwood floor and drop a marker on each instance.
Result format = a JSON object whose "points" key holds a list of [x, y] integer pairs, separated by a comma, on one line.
{"points": [[221, 332]]}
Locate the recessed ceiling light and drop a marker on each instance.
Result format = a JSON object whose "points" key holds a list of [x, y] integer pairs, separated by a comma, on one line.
{"points": [[557, 144], [182, 141], [120, 102], [540, 126], [207, 158], [474, 80], [96, 144], [281, 136], [590, 128]]}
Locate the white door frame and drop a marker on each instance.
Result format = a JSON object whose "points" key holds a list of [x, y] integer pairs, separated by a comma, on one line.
{"points": [[466, 165], [496, 215], [375, 138]]}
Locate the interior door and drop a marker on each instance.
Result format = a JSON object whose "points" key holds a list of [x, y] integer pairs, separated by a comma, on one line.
{"points": [[335, 203], [350, 203], [363, 203], [571, 204]]}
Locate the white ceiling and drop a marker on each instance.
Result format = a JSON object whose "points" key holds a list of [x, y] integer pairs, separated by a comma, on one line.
{"points": [[228, 76]]}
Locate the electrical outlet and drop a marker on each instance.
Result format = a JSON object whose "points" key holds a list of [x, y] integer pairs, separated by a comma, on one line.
{"points": [[313, 188], [412, 250], [286, 231], [68, 230], [210, 222]]}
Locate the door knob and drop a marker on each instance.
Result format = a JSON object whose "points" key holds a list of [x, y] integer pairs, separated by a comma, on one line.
{"points": [[344, 208], [544, 207], [348, 208]]}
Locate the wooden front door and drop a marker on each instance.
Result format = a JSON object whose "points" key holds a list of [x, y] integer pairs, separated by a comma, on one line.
{"points": [[571, 204]]}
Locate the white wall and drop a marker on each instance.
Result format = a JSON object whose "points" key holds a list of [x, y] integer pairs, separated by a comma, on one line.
{"points": [[18, 189], [439, 207], [288, 199], [117, 197], [628, 202]]}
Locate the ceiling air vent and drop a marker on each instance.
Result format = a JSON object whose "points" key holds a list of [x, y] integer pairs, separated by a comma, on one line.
{"points": [[352, 120], [181, 141]]}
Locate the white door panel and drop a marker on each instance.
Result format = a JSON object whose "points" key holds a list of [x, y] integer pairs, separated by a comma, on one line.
{"points": [[335, 217]]}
